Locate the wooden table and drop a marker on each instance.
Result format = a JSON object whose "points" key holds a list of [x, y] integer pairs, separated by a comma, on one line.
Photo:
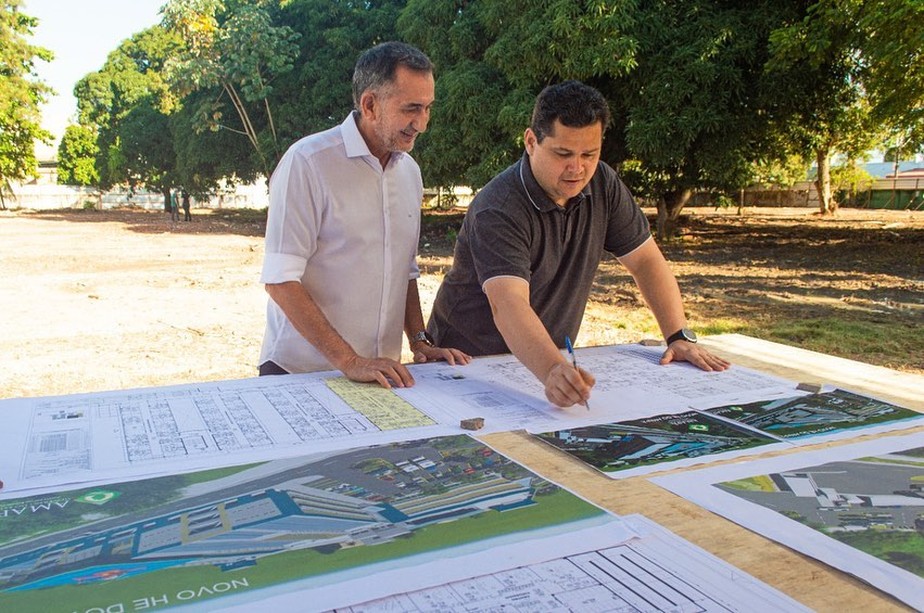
{"points": [[811, 582]]}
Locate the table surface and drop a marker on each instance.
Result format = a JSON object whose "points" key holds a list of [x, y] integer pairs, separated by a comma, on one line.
{"points": [[809, 581]]}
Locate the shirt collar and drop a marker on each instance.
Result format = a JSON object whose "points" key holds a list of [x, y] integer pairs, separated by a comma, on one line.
{"points": [[537, 196], [356, 145]]}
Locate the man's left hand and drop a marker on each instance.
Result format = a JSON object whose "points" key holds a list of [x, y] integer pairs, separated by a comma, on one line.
{"points": [[428, 353], [683, 351]]}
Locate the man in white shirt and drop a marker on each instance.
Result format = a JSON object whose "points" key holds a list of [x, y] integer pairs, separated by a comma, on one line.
{"points": [[341, 239]]}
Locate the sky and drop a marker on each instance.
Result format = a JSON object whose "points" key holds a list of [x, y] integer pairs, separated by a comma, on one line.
{"points": [[81, 33]]}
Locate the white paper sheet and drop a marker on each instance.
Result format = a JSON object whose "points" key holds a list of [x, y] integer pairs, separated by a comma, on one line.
{"points": [[630, 384], [86, 438], [864, 488], [625, 564]]}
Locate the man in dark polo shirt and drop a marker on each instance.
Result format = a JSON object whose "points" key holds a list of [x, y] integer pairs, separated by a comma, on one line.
{"points": [[531, 242]]}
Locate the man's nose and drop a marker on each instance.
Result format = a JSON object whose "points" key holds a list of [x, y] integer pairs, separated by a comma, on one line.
{"points": [[420, 122]]}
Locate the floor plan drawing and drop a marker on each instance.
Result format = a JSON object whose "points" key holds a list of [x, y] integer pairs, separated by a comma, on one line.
{"points": [[652, 572], [631, 384], [140, 432]]}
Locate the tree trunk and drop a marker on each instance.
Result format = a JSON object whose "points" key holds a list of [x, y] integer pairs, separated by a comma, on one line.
{"points": [[826, 202], [669, 206], [166, 194]]}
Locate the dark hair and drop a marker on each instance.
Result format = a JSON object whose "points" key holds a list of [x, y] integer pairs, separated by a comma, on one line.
{"points": [[376, 66], [572, 103]]}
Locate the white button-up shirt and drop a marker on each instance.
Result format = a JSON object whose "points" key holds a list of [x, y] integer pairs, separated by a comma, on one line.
{"points": [[347, 230]]}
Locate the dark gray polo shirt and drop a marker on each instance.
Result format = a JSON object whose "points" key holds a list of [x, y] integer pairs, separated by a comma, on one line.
{"points": [[512, 228]]}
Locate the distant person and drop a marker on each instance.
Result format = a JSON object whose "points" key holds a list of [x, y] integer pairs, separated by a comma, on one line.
{"points": [[342, 232], [531, 242], [186, 215], [174, 214]]}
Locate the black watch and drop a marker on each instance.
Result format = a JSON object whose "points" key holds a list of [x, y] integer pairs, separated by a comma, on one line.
{"points": [[683, 334], [423, 337]]}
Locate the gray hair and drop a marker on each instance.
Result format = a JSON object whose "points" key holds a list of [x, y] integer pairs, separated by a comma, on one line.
{"points": [[376, 67]]}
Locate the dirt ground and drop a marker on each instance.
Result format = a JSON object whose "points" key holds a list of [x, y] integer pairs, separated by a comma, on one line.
{"points": [[100, 300]]}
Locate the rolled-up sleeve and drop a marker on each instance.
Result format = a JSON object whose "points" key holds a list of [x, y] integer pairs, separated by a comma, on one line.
{"points": [[292, 223]]}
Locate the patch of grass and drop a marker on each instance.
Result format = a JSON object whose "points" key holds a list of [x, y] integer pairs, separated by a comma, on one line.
{"points": [[879, 342]]}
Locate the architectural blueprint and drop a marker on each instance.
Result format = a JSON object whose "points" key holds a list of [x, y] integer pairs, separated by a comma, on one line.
{"points": [[630, 384], [857, 507], [652, 572], [50, 442], [341, 528]]}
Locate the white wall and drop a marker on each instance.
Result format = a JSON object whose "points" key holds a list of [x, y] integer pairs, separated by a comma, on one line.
{"points": [[45, 196]]}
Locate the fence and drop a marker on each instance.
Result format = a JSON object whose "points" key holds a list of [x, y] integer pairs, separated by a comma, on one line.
{"points": [[898, 194]]}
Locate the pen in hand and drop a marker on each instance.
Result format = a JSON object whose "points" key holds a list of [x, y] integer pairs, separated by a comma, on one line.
{"points": [[574, 362]]}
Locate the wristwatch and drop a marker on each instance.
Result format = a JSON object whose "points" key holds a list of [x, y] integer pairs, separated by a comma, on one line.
{"points": [[423, 337], [683, 334]]}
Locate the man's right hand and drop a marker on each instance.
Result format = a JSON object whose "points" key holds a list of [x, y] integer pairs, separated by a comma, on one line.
{"points": [[383, 370], [566, 385]]}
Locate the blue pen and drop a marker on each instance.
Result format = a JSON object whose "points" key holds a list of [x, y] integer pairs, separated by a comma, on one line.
{"points": [[574, 361]]}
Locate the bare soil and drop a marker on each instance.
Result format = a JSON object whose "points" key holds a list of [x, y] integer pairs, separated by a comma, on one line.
{"points": [[99, 300]]}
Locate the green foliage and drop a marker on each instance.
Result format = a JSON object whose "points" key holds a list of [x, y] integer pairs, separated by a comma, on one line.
{"points": [[781, 171], [21, 95], [853, 76], [492, 58], [234, 52], [128, 102], [705, 95], [77, 156], [851, 177], [316, 95], [685, 81]]}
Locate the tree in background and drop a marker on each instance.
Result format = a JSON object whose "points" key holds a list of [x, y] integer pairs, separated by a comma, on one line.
{"points": [[492, 58], [77, 156], [684, 81], [857, 80], [128, 102], [695, 108], [21, 95], [317, 93], [706, 94], [233, 51]]}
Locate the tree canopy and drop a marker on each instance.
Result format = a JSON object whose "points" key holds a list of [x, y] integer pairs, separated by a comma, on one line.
{"points": [[127, 103], [21, 95], [705, 94]]}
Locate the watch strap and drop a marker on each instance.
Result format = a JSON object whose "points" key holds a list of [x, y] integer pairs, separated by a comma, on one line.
{"points": [[683, 334], [423, 337]]}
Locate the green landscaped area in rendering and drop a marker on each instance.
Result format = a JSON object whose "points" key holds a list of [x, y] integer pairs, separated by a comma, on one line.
{"points": [[132, 497], [904, 549], [760, 483], [552, 509]]}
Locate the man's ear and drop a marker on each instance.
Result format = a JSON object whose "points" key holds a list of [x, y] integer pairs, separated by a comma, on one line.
{"points": [[529, 140], [368, 104]]}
